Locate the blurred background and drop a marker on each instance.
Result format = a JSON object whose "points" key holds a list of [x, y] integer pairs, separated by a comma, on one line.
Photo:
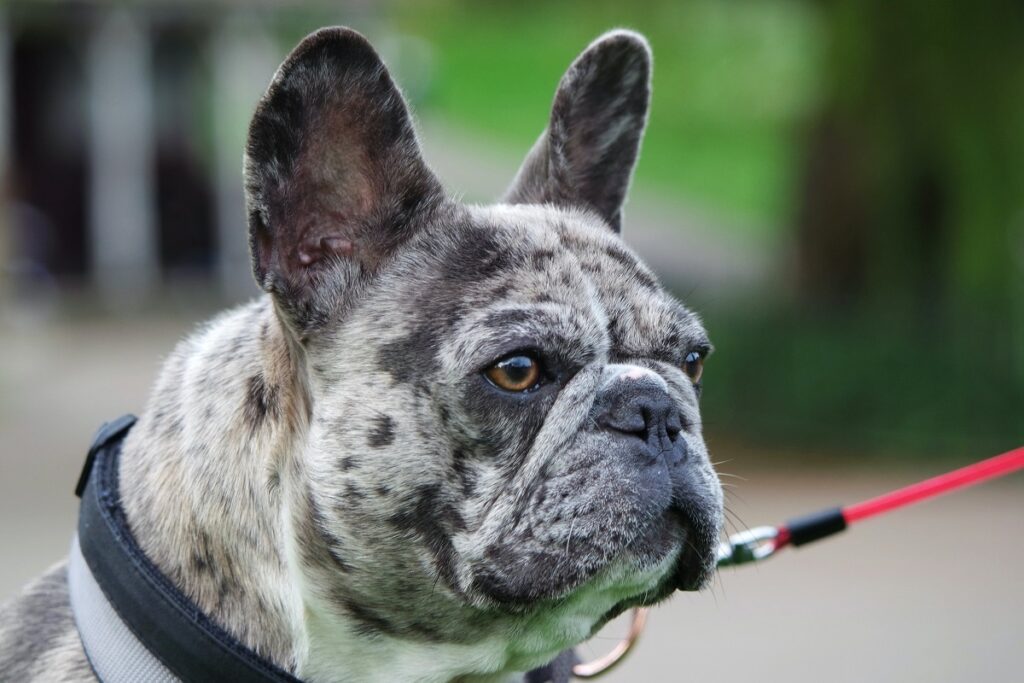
{"points": [[836, 185]]}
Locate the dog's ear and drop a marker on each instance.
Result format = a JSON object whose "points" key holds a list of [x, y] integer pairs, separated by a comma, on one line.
{"points": [[334, 177], [586, 155]]}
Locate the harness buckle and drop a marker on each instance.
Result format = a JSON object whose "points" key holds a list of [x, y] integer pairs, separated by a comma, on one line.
{"points": [[106, 433]]}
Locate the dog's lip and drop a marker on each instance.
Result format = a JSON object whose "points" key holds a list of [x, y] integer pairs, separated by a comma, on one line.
{"points": [[692, 576], [695, 565]]}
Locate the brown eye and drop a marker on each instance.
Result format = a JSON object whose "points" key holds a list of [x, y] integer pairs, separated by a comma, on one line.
{"points": [[515, 373], [693, 366]]}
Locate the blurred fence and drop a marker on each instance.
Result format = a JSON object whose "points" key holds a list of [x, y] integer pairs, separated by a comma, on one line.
{"points": [[121, 135]]}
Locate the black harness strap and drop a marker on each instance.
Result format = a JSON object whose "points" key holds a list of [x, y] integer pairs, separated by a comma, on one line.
{"points": [[170, 625]]}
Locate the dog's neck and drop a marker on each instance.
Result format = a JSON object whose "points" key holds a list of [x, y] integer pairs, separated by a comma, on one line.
{"points": [[204, 472], [210, 478]]}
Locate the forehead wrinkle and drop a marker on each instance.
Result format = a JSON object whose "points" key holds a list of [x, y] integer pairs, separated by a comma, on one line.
{"points": [[628, 295], [689, 325], [506, 323], [597, 309], [641, 320]]}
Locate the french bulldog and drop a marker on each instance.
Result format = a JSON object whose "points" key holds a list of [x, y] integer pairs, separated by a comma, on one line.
{"points": [[449, 441]]}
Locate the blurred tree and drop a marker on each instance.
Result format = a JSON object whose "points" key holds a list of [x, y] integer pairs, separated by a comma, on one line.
{"points": [[913, 186]]}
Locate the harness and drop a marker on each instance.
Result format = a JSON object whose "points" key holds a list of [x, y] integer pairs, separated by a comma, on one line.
{"points": [[134, 623]]}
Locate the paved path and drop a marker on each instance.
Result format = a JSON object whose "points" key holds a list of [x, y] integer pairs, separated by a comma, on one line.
{"points": [[930, 594]]}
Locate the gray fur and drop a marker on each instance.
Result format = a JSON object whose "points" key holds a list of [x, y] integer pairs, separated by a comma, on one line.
{"points": [[328, 473], [38, 639]]}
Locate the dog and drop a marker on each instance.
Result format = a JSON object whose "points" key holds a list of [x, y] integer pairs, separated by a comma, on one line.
{"points": [[448, 442]]}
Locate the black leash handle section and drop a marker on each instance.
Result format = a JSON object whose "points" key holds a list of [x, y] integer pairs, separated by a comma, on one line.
{"points": [[816, 526]]}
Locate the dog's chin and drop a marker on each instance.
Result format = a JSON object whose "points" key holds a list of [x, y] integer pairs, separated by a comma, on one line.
{"points": [[666, 557], [692, 568]]}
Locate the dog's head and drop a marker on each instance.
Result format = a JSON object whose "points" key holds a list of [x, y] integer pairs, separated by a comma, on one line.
{"points": [[503, 400]]}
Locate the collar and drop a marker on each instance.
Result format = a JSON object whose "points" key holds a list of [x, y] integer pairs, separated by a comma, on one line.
{"points": [[134, 623]]}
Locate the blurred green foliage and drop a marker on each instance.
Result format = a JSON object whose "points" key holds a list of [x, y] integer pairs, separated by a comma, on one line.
{"points": [[730, 81], [871, 387]]}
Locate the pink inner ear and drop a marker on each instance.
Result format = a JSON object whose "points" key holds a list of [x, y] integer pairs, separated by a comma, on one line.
{"points": [[317, 247], [324, 239]]}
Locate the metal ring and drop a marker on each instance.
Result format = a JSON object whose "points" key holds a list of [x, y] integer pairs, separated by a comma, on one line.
{"points": [[596, 667]]}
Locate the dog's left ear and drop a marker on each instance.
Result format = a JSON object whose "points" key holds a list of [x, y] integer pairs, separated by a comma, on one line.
{"points": [[586, 155]]}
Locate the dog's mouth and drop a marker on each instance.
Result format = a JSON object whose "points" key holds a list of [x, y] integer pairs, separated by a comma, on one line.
{"points": [[676, 552], [694, 564], [653, 528], [691, 571]]}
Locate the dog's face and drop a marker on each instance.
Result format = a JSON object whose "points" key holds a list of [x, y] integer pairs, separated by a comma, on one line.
{"points": [[503, 400]]}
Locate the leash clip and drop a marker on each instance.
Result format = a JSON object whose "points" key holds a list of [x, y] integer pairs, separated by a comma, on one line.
{"points": [[752, 545]]}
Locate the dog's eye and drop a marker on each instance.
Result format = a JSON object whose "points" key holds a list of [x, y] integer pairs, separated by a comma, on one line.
{"points": [[693, 366], [515, 373]]}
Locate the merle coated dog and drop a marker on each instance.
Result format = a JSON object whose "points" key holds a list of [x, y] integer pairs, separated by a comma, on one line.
{"points": [[449, 441]]}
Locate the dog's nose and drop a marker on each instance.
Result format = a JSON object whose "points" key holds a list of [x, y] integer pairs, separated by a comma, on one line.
{"points": [[637, 405]]}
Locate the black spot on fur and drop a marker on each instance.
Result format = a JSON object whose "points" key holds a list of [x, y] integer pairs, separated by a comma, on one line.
{"points": [[542, 257], [261, 401], [465, 473], [412, 358], [632, 266], [367, 621], [353, 492], [201, 559], [425, 515], [383, 433], [327, 547]]}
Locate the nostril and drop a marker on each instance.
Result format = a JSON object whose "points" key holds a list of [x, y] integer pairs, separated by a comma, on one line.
{"points": [[633, 423], [673, 426]]}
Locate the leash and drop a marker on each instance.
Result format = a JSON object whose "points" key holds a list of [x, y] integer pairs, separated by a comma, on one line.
{"points": [[760, 543]]}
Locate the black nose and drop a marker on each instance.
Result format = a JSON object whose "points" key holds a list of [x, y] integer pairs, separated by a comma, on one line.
{"points": [[644, 410]]}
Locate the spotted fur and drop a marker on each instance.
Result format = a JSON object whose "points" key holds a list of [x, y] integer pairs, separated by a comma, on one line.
{"points": [[328, 472]]}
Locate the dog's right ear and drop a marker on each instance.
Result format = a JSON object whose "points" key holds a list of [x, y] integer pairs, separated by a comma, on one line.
{"points": [[334, 177]]}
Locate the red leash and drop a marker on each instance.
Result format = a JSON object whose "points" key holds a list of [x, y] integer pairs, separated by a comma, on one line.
{"points": [[977, 473], [762, 542]]}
